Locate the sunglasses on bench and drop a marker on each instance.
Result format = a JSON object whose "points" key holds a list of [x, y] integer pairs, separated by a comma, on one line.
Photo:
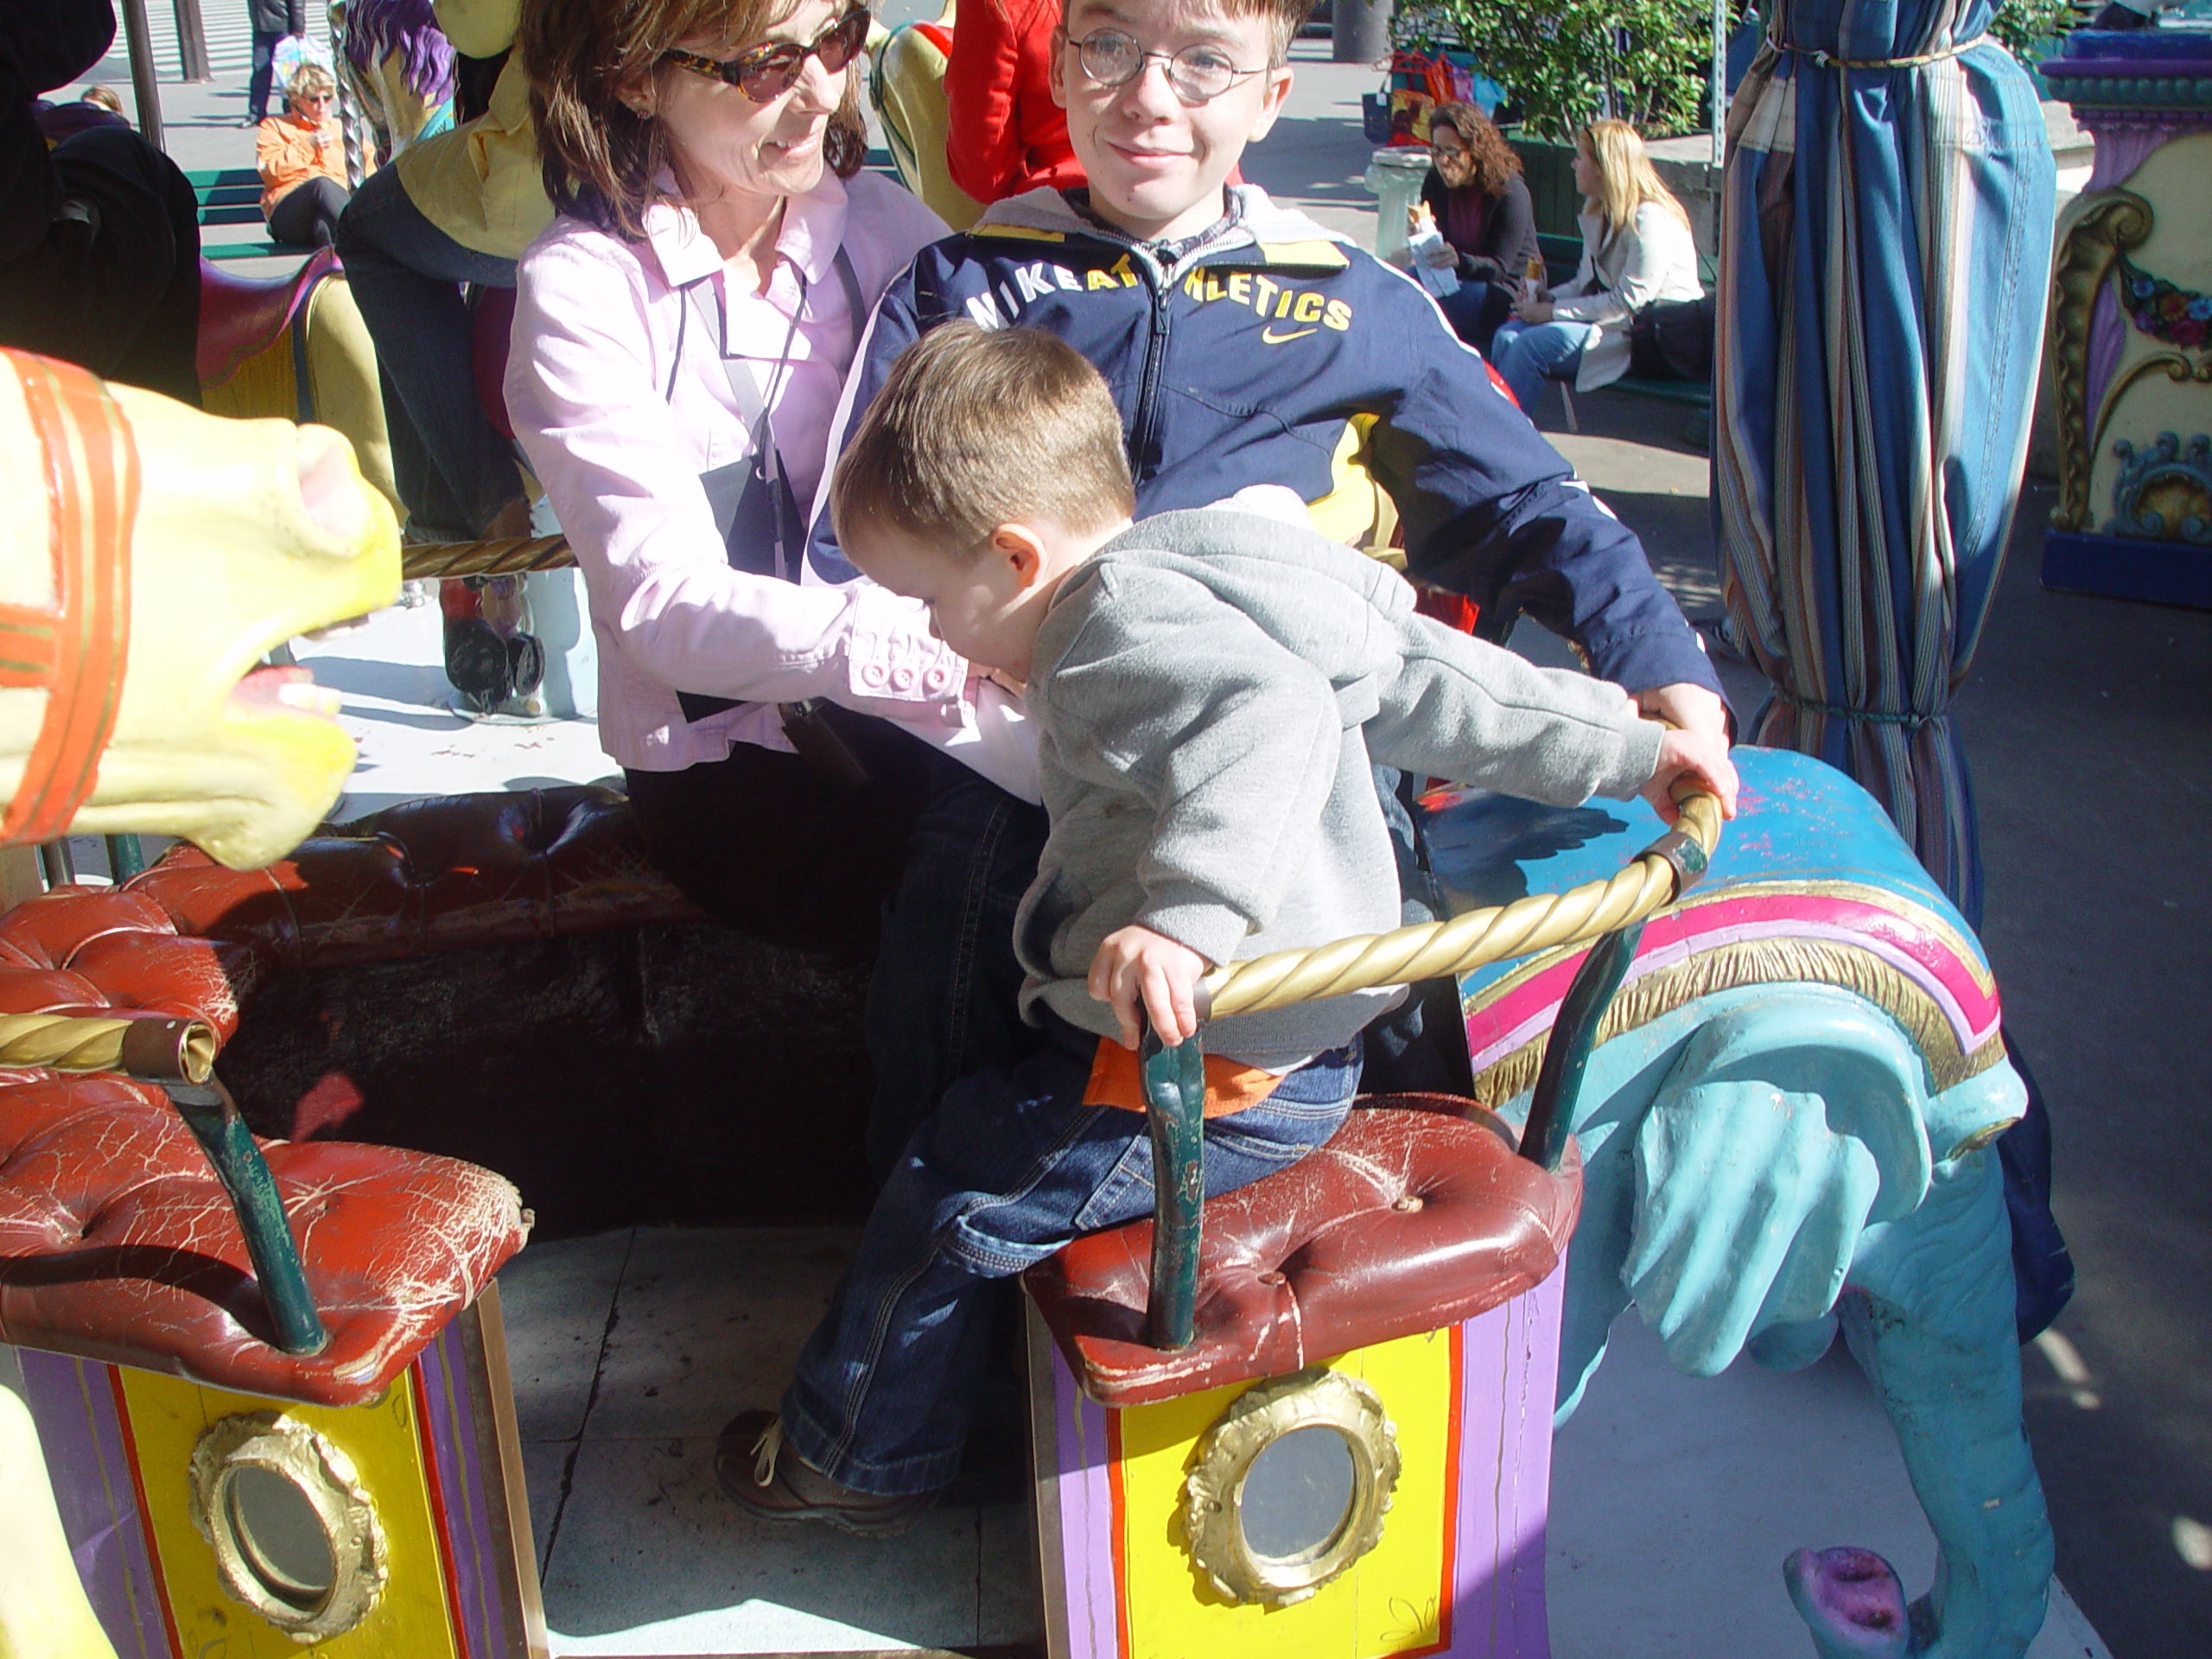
{"points": [[766, 72]]}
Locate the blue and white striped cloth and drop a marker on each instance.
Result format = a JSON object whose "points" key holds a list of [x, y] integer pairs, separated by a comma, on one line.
{"points": [[1885, 263]]}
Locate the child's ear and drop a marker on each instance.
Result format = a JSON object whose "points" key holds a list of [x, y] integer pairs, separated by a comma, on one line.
{"points": [[1021, 550]]}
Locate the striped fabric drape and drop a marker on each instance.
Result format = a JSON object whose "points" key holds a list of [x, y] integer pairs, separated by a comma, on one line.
{"points": [[1885, 262]]}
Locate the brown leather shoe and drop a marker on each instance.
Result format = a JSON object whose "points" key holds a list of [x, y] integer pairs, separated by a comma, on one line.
{"points": [[767, 1478]]}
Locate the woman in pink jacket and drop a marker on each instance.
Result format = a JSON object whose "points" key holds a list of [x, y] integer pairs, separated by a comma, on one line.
{"points": [[681, 337]]}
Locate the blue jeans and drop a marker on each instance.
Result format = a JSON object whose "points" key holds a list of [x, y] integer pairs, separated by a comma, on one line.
{"points": [[1010, 1168], [942, 1002], [1527, 355], [262, 74], [1476, 309], [453, 469]]}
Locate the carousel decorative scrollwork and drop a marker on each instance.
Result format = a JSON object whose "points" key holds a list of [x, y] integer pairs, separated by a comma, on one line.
{"points": [[2164, 493], [2110, 224]]}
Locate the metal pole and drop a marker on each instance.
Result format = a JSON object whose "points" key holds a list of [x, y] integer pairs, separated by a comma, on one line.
{"points": [[140, 42], [1719, 85], [191, 40]]}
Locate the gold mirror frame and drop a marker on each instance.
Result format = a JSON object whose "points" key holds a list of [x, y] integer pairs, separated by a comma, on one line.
{"points": [[1213, 1495], [325, 1477]]}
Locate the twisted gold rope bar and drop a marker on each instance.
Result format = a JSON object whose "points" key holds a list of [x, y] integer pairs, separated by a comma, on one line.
{"points": [[1430, 950], [61, 1042], [503, 559]]}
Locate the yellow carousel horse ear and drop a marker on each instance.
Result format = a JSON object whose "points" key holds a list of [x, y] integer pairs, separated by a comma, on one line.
{"points": [[44, 1610]]}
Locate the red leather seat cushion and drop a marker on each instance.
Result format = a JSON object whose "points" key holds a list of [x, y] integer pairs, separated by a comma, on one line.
{"points": [[1409, 1220], [117, 1242]]}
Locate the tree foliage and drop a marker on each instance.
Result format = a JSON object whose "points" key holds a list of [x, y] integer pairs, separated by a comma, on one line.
{"points": [[1566, 62]]}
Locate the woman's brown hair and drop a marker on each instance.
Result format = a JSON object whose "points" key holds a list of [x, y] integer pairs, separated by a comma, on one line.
{"points": [[1494, 162], [602, 159]]}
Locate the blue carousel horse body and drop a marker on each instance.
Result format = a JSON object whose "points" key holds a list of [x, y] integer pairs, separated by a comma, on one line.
{"points": [[1785, 1128]]}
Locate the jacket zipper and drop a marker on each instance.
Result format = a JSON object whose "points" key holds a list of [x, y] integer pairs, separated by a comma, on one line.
{"points": [[1141, 430]]}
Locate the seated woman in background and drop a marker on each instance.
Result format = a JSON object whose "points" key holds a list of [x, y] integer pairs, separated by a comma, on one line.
{"points": [[1482, 207], [1637, 251], [301, 155]]}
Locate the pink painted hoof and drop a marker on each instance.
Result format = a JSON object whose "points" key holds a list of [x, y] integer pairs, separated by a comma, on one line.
{"points": [[1853, 1602]]}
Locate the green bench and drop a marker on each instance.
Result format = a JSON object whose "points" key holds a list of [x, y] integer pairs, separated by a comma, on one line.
{"points": [[231, 195], [1562, 257]]}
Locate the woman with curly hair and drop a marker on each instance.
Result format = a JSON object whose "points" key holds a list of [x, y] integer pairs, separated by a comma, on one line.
{"points": [[1481, 206]]}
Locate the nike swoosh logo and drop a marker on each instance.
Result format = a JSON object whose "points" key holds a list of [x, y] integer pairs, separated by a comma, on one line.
{"points": [[1274, 339]]}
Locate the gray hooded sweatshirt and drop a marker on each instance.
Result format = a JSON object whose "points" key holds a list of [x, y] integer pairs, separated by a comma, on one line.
{"points": [[1210, 690]]}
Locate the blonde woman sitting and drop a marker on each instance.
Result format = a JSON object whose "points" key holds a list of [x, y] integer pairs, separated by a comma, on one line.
{"points": [[1637, 251], [302, 156]]}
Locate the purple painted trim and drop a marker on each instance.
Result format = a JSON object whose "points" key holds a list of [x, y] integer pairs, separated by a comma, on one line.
{"points": [[1086, 1518], [450, 1418], [73, 1406], [1510, 1359]]}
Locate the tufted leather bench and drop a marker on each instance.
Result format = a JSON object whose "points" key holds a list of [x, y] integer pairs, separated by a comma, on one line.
{"points": [[115, 1240], [1410, 1219]]}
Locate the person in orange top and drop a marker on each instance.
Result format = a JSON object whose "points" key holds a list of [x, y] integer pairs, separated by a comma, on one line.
{"points": [[302, 161]]}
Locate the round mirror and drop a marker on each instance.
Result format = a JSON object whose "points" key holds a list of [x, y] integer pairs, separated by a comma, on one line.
{"points": [[280, 1536], [1297, 1495]]}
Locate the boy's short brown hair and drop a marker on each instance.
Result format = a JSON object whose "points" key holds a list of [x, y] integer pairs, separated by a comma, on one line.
{"points": [[1285, 18], [976, 428]]}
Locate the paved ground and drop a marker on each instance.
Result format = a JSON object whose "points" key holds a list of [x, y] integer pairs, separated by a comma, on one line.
{"points": [[2085, 723]]}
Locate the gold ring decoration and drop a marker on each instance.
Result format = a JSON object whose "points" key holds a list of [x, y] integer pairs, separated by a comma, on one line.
{"points": [[296, 1537], [1293, 1555], [420, 561], [1541, 922]]}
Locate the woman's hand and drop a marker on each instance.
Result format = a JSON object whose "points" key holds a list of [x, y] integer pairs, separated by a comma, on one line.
{"points": [[1134, 963], [1442, 257], [1538, 310]]}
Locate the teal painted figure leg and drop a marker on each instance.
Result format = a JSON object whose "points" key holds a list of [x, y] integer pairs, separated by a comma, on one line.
{"points": [[1785, 1126]]}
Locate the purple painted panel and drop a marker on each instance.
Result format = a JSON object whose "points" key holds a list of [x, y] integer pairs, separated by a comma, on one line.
{"points": [[74, 1405], [451, 1420], [1086, 1518], [1509, 1358]]}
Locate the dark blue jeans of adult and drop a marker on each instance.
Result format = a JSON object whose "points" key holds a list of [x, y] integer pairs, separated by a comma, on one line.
{"points": [[454, 470], [1007, 1171]]}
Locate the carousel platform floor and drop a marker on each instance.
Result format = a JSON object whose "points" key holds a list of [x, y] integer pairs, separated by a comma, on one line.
{"points": [[1674, 1499]]}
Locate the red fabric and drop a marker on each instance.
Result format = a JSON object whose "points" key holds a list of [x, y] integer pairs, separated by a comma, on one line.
{"points": [[1004, 134], [1410, 1219]]}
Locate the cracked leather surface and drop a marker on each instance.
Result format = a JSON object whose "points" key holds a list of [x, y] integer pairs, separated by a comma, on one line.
{"points": [[1410, 1219], [117, 1243]]}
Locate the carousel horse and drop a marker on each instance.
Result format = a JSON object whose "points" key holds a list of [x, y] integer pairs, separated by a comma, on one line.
{"points": [[153, 555], [1785, 1124], [399, 67]]}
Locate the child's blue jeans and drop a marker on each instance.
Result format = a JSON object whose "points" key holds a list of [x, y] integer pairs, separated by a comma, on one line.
{"points": [[1010, 1167]]}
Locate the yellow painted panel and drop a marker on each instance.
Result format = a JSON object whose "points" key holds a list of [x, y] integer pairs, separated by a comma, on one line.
{"points": [[1387, 1604], [410, 1620]]}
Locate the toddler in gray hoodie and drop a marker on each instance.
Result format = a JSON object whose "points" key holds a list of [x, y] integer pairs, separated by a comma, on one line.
{"points": [[1211, 690]]}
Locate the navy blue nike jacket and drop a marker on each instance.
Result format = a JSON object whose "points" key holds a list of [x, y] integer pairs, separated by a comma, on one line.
{"points": [[1276, 353]]}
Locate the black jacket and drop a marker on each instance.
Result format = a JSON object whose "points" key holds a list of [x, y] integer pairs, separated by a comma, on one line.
{"points": [[1508, 232], [277, 16], [43, 44]]}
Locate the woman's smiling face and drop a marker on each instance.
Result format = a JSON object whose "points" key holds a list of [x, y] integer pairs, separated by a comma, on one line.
{"points": [[723, 143]]}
